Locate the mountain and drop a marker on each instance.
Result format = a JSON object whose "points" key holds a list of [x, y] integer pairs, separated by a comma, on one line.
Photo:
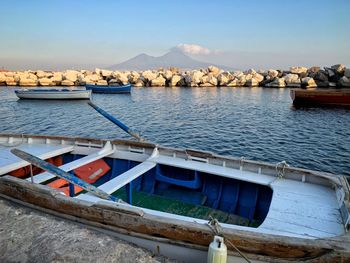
{"points": [[174, 58]]}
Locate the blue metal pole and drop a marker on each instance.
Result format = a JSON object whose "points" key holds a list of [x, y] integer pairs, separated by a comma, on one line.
{"points": [[115, 121]]}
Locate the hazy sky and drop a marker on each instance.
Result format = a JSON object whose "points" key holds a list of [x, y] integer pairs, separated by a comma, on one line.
{"points": [[242, 34]]}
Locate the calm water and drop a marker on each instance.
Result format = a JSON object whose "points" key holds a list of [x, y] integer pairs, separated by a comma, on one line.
{"points": [[259, 124]]}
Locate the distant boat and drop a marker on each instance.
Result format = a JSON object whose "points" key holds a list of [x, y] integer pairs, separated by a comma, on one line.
{"points": [[320, 97], [109, 89], [53, 94]]}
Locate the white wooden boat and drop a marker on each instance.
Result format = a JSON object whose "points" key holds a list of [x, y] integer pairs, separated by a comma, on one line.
{"points": [[270, 212], [53, 94]]}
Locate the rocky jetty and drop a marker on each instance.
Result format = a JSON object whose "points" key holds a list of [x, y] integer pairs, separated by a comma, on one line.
{"points": [[296, 77]]}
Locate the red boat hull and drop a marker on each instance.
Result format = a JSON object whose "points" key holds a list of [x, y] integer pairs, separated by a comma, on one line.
{"points": [[319, 97]]}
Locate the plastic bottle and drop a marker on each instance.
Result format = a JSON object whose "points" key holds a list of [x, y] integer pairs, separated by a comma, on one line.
{"points": [[217, 252]]}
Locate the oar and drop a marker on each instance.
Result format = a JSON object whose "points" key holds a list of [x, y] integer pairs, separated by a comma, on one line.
{"points": [[62, 174], [115, 121]]}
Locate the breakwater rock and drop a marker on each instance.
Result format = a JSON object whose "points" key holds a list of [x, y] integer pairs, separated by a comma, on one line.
{"points": [[296, 77]]}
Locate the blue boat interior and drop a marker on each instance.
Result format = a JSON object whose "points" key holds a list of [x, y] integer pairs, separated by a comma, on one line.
{"points": [[190, 193]]}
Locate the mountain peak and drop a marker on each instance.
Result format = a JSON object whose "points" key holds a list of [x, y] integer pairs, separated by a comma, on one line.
{"points": [[174, 58]]}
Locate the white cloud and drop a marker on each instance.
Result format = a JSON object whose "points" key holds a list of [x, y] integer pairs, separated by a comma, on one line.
{"points": [[194, 49]]}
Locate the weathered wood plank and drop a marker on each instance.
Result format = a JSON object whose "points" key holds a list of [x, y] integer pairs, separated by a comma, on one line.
{"points": [[270, 247]]}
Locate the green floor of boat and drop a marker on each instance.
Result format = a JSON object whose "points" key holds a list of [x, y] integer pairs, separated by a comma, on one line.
{"points": [[164, 204]]}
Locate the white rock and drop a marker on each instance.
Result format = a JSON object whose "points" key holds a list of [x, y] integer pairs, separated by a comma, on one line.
{"points": [[212, 80], [238, 74], [241, 81], [292, 80], [196, 76], [175, 80], [139, 83], [32, 76], [347, 73], [10, 73], [252, 82], [272, 73], [344, 81], [206, 84], [298, 70], [277, 83], [102, 82], [308, 82], [338, 68], [214, 70], [57, 77], [40, 74], [106, 73], [27, 82], [248, 77], [10, 81], [123, 79], [67, 82], [232, 83], [168, 75], [158, 82], [259, 78], [224, 78], [97, 71], [70, 75], [46, 82], [149, 75]]}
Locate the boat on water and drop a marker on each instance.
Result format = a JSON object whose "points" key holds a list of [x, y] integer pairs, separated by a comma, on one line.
{"points": [[53, 94], [109, 89], [321, 97], [175, 201]]}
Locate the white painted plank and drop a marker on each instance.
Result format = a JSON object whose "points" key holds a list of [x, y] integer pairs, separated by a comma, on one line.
{"points": [[10, 162], [125, 178], [121, 180], [215, 169], [105, 151]]}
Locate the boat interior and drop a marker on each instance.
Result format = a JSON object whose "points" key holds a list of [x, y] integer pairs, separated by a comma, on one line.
{"points": [[185, 184]]}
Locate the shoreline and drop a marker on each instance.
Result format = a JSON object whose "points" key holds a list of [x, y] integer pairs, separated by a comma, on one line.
{"points": [[336, 76]]}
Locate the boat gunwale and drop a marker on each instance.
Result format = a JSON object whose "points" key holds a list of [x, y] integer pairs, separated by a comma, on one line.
{"points": [[334, 179], [108, 215]]}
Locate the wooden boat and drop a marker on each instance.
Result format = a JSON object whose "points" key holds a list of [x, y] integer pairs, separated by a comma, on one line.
{"points": [[321, 97], [53, 94], [162, 198], [109, 89]]}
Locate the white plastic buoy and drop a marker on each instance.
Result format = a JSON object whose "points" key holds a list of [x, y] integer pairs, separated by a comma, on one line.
{"points": [[217, 252]]}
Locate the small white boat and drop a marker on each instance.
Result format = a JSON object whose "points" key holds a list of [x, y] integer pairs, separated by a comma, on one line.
{"points": [[271, 213], [53, 94]]}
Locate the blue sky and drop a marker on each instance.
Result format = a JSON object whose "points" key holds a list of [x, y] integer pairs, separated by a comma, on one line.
{"points": [[262, 34]]}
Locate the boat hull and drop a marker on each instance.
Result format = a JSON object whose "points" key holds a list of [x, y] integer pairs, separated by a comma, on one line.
{"points": [[321, 97], [181, 234], [162, 233], [54, 94], [109, 89]]}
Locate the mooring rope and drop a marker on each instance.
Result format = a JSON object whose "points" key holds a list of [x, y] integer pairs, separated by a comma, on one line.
{"points": [[280, 169], [215, 226]]}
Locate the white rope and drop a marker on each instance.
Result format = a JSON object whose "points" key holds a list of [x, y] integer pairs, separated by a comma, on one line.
{"points": [[214, 225], [280, 169]]}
